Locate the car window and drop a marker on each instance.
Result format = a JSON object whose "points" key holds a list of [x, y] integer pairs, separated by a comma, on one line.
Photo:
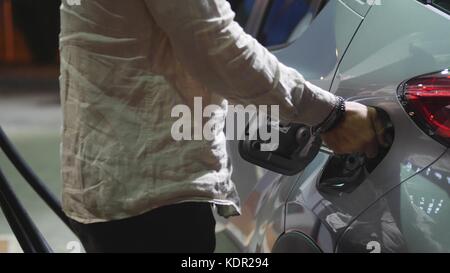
{"points": [[242, 8], [286, 20], [442, 4]]}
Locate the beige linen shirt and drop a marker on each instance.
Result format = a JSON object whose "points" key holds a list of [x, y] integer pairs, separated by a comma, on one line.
{"points": [[124, 66]]}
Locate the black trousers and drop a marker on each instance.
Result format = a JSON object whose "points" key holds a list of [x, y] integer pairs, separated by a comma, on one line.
{"points": [[180, 228]]}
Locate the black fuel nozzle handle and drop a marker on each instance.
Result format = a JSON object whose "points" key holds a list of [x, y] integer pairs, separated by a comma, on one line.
{"points": [[308, 144]]}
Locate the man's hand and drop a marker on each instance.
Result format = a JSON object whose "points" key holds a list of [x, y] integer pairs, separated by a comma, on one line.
{"points": [[360, 131]]}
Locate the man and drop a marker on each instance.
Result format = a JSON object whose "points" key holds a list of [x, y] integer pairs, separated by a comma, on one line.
{"points": [[128, 185]]}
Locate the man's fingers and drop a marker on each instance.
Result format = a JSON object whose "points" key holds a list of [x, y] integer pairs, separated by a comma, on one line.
{"points": [[378, 127], [372, 149], [331, 143], [362, 131], [337, 143]]}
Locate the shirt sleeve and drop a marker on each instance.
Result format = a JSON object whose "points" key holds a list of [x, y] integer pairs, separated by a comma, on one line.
{"points": [[217, 52]]}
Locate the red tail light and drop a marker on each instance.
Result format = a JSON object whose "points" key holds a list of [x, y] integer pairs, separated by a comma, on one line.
{"points": [[427, 101]]}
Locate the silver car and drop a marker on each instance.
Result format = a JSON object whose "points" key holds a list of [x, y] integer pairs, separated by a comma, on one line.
{"points": [[390, 54]]}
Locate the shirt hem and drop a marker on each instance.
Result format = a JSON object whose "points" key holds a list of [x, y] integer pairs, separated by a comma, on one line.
{"points": [[225, 209]]}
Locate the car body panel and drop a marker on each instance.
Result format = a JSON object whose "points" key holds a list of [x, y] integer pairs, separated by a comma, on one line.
{"points": [[262, 218], [413, 217], [370, 73], [316, 55], [390, 46], [361, 6]]}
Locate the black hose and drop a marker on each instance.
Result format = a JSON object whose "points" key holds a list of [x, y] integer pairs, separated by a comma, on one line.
{"points": [[33, 180], [27, 234]]}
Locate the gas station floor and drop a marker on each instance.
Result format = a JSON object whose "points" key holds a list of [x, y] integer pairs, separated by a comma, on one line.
{"points": [[32, 122]]}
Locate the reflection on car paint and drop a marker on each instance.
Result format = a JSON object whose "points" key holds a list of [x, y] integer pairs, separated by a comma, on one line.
{"points": [[336, 222], [411, 218], [427, 205]]}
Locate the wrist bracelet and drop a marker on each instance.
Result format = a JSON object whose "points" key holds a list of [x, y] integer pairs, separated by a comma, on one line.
{"points": [[333, 119]]}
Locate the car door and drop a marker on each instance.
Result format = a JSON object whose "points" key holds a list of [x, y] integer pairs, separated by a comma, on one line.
{"points": [[313, 41]]}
